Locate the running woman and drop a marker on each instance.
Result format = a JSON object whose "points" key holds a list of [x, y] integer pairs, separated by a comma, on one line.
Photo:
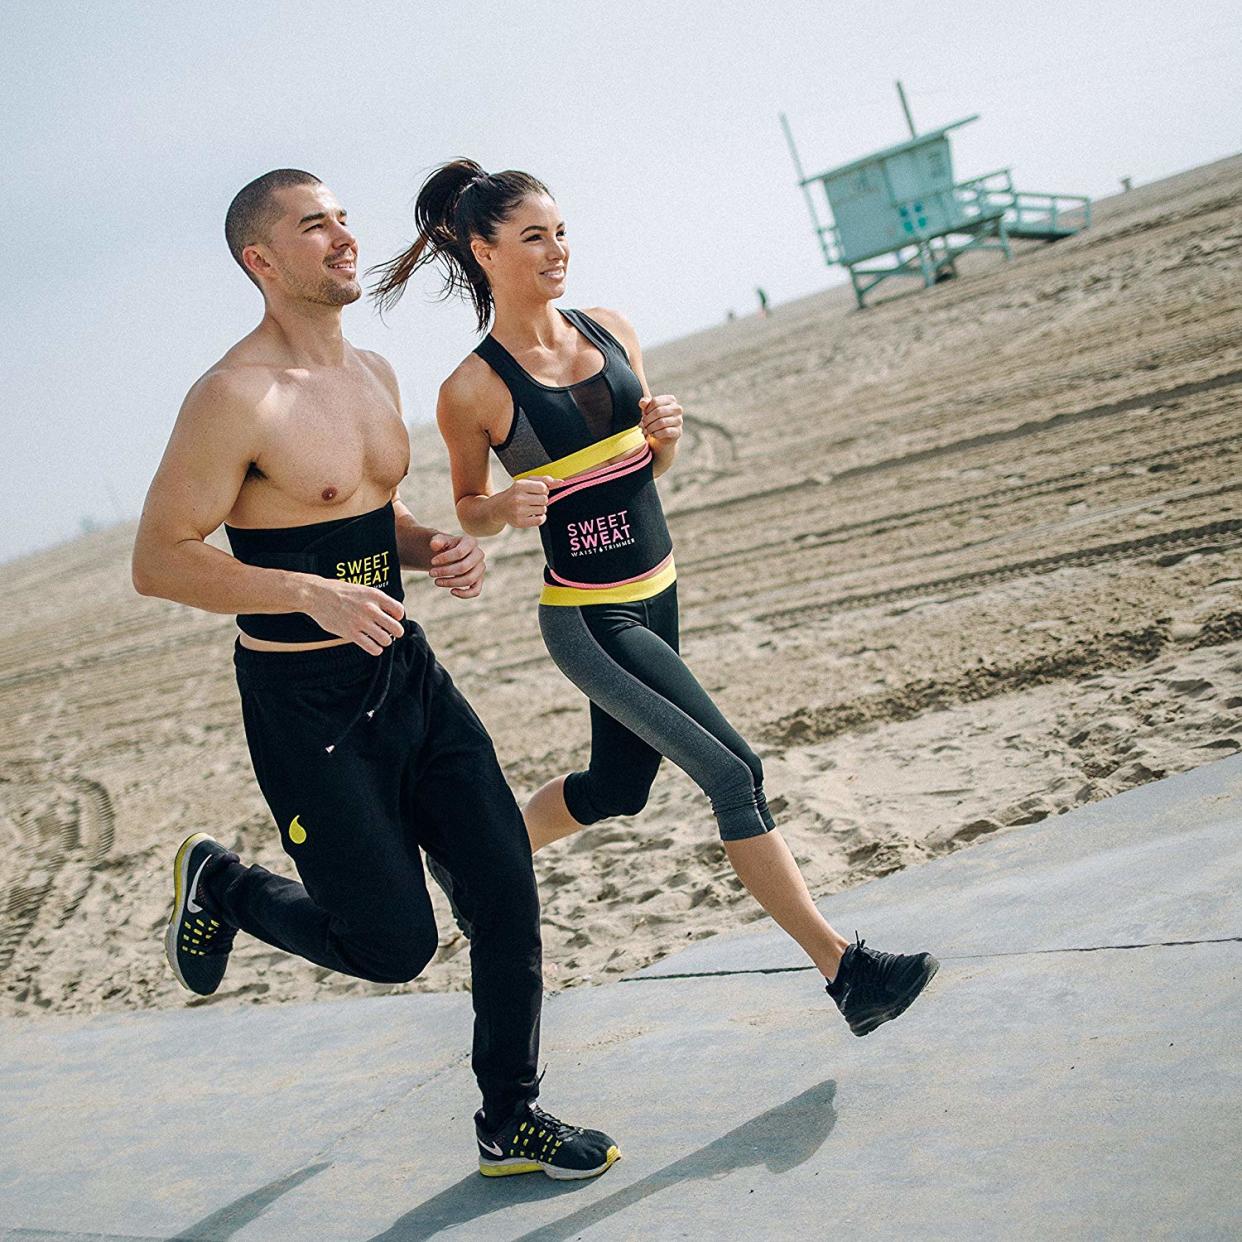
{"points": [[363, 748], [559, 396]]}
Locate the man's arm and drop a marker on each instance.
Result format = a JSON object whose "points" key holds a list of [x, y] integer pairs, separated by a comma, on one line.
{"points": [[195, 487], [455, 562], [212, 445], [413, 539]]}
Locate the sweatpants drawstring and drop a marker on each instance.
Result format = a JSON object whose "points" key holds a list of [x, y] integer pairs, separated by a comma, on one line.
{"points": [[386, 658], [383, 662]]}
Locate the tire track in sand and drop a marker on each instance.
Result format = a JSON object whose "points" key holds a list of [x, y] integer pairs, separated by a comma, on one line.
{"points": [[67, 828]]}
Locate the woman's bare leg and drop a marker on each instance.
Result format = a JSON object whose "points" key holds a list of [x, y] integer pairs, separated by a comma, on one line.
{"points": [[547, 818], [763, 864], [767, 868]]}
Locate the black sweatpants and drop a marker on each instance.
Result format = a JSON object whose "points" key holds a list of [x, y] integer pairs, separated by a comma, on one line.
{"points": [[362, 760]]}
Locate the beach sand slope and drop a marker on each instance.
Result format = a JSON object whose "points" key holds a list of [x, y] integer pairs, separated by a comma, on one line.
{"points": [[954, 564]]}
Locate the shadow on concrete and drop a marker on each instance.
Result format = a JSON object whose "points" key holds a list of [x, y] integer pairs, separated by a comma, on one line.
{"points": [[470, 1199], [781, 1139], [225, 1222]]}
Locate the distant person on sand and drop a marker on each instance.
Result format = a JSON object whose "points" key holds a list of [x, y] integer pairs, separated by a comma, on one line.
{"points": [[363, 747], [763, 301], [560, 397]]}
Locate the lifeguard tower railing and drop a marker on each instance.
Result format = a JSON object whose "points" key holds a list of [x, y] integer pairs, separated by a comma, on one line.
{"points": [[902, 204], [1028, 214]]}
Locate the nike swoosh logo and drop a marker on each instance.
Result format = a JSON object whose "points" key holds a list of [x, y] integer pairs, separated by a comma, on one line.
{"points": [[190, 904], [496, 1151]]}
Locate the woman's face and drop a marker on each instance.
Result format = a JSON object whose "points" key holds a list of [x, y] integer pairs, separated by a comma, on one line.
{"points": [[529, 257]]}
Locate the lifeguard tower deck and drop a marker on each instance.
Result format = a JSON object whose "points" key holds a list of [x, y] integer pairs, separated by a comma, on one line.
{"points": [[901, 204]]}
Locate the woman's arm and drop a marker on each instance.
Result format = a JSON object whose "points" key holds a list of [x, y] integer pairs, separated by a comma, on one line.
{"points": [[662, 415], [472, 402]]}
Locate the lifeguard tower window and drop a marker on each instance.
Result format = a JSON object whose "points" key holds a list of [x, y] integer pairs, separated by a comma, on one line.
{"points": [[901, 207]]}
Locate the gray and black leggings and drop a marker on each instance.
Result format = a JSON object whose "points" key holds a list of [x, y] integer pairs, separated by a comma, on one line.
{"points": [[646, 704]]}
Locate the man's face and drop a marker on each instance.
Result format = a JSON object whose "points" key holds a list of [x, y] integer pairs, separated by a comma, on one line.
{"points": [[311, 253]]}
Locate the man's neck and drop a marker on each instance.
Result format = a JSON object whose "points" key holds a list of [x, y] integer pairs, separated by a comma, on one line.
{"points": [[307, 332]]}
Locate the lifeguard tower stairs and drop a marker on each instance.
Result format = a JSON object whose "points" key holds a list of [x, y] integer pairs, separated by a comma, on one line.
{"points": [[899, 212]]}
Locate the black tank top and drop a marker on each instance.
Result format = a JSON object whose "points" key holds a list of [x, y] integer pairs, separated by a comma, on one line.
{"points": [[360, 549], [605, 538]]}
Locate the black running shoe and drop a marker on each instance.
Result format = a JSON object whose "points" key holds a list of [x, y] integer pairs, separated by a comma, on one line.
{"points": [[197, 945], [534, 1141], [871, 988]]}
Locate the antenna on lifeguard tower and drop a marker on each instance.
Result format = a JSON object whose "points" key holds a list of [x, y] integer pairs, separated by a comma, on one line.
{"points": [[905, 107], [820, 232]]}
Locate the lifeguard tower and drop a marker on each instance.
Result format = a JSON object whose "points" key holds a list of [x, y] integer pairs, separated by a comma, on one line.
{"points": [[902, 204]]}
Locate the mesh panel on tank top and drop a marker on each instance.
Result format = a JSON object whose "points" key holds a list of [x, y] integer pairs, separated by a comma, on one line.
{"points": [[523, 450], [594, 401]]}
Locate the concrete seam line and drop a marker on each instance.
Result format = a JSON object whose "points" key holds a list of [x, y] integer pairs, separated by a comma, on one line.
{"points": [[944, 957]]}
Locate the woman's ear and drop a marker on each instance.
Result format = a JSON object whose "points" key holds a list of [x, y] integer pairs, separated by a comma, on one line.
{"points": [[482, 252]]}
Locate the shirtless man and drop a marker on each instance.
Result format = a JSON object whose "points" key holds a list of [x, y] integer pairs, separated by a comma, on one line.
{"points": [[363, 747]]}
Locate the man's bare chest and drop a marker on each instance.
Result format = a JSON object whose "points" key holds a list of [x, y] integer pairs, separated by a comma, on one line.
{"points": [[321, 442]]}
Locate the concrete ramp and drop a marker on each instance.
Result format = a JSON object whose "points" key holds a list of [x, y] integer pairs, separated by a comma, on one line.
{"points": [[1074, 1071]]}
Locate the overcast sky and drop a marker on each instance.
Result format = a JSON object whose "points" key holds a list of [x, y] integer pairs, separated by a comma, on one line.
{"points": [[129, 126]]}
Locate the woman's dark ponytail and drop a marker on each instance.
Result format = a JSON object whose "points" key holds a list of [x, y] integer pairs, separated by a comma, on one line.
{"points": [[458, 201]]}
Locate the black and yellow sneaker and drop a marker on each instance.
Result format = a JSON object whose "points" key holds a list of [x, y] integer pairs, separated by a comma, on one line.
{"points": [[533, 1142], [873, 988], [196, 943]]}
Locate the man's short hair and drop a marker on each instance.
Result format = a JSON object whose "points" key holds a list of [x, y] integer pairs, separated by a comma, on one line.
{"points": [[252, 212]]}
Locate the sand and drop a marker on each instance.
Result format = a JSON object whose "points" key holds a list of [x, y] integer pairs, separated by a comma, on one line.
{"points": [[954, 564]]}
